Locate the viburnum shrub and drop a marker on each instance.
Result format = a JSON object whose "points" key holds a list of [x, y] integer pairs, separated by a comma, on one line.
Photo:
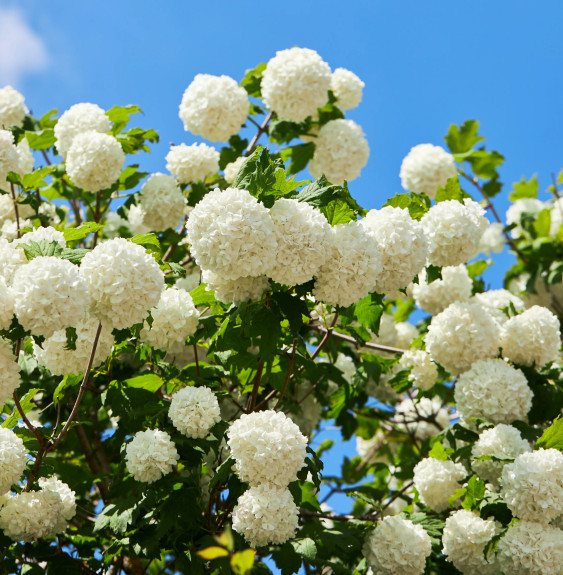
{"points": [[172, 344]]}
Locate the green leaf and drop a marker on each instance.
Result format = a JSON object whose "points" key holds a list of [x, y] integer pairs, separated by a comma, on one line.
{"points": [[258, 174], [117, 516], [524, 189], [70, 380], [47, 120], [552, 437], [42, 248], [222, 473], [243, 561], [202, 297], [542, 223], [252, 79], [120, 116], [474, 493], [475, 269], [41, 140], [433, 273], [338, 212], [463, 138], [149, 381], [148, 241], [87, 228], [438, 451], [71, 337], [300, 155], [417, 204], [26, 406], [213, 552], [491, 188], [484, 164], [368, 312], [74, 256], [306, 548], [36, 178], [452, 191]]}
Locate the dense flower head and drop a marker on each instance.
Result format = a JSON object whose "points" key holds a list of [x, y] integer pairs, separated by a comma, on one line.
{"points": [[49, 234], [531, 338], [497, 300], [503, 442], [6, 305], [556, 214], [304, 239], [236, 291], [26, 161], [68, 499], [425, 168], [192, 163], [12, 107], [232, 234], [150, 455], [532, 485], [461, 333], [409, 414], [494, 390], [492, 239], [437, 480], [13, 459], [295, 83], [453, 230], [194, 411], [464, 539], [123, 280], [529, 548], [423, 371], [406, 333], [347, 88], [10, 259], [267, 448], [162, 203], [397, 546], [266, 514], [76, 120], [94, 161], [214, 107], [352, 268], [341, 151], [49, 295], [9, 370], [402, 244], [9, 159], [518, 209], [232, 168]]}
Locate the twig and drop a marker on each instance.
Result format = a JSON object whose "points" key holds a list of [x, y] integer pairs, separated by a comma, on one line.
{"points": [[16, 210], [367, 344], [287, 375], [196, 361], [256, 384], [258, 134]]}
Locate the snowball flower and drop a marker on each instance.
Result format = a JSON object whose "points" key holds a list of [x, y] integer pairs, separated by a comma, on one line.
{"points": [[352, 268], [493, 390], [408, 415], [397, 547], [12, 107], [26, 161], [492, 239], [150, 455], [437, 480], [162, 203], [341, 151], [402, 244], [464, 539], [49, 234], [514, 214], [80, 118], [532, 485], [123, 280], [295, 83], [49, 295], [232, 169], [67, 496], [232, 234], [10, 259], [192, 163], [194, 411], [496, 300], [304, 239], [267, 448], [461, 333], [266, 514], [556, 214], [453, 230], [214, 107], [6, 305], [406, 333], [10, 370], [347, 88], [531, 338], [423, 372], [236, 291], [13, 459], [9, 159]]}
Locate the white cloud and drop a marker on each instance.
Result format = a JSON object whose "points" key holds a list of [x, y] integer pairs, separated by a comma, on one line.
{"points": [[22, 50]]}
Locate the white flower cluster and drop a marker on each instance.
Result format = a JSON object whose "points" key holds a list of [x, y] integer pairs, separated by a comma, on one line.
{"points": [[10, 259], [214, 107], [347, 88], [556, 214], [9, 159], [295, 83], [397, 547], [150, 455], [492, 239], [496, 300], [192, 163], [453, 230], [424, 417], [123, 280], [437, 480], [402, 244], [459, 334], [26, 161], [12, 107], [520, 207], [341, 151], [49, 234], [67, 496], [6, 305], [10, 370], [423, 370], [94, 161], [493, 390], [194, 411], [162, 203], [231, 169], [425, 168], [236, 291], [13, 459]]}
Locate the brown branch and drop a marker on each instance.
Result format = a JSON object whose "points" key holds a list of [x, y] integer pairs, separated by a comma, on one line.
{"points": [[350, 339], [16, 210], [173, 246], [255, 386], [288, 374], [196, 361], [258, 134]]}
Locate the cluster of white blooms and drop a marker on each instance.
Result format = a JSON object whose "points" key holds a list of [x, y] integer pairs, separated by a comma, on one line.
{"points": [[266, 514], [67, 496], [77, 119], [436, 296], [7, 305], [49, 234], [26, 161], [453, 230], [150, 455], [10, 259], [352, 269], [49, 295], [9, 369], [425, 168], [437, 480], [402, 244], [423, 370], [461, 333], [174, 319], [94, 161], [493, 390], [496, 300], [406, 333], [341, 151], [192, 163], [530, 548], [9, 159], [492, 239], [503, 442], [232, 234], [231, 169], [61, 361], [464, 539], [12, 107], [304, 239], [532, 485], [532, 337], [194, 411], [162, 203], [520, 207], [556, 214], [267, 447], [397, 547], [295, 83], [414, 416], [236, 291], [13, 459], [123, 280], [214, 107], [347, 88]]}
